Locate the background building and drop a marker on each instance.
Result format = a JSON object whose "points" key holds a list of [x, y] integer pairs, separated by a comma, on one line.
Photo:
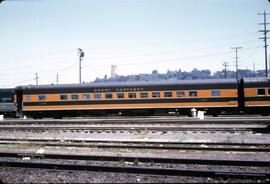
{"points": [[113, 71]]}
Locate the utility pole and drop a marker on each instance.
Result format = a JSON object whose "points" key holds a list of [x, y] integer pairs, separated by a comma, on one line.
{"points": [[236, 61], [36, 74], [254, 71], [81, 55], [57, 78], [265, 31], [225, 64]]}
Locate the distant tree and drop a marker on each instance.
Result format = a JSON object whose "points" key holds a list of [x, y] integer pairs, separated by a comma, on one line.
{"points": [[195, 74], [182, 75], [155, 72], [205, 74]]}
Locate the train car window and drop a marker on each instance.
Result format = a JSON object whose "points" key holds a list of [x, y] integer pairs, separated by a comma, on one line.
{"points": [[180, 93], [41, 97], [268, 91], [97, 95], [167, 94], [261, 91], [131, 95], [193, 93], [85, 96], [155, 94], [27, 98], [74, 97], [120, 95], [63, 97], [6, 100], [108, 95], [144, 95], [215, 93]]}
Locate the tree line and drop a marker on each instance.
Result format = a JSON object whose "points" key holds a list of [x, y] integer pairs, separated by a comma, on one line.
{"points": [[183, 75]]}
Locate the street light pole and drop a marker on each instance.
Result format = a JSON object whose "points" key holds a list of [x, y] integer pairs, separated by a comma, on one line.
{"points": [[81, 55]]}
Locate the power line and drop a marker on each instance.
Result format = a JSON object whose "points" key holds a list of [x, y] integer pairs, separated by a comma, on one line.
{"points": [[49, 70], [62, 52], [136, 63], [168, 53], [20, 82], [178, 59], [265, 31]]}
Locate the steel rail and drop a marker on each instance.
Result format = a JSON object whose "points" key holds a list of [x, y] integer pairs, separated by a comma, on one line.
{"points": [[139, 121], [134, 141], [168, 146], [259, 163], [138, 169], [134, 128]]}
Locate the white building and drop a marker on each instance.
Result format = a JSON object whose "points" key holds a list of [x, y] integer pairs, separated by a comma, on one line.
{"points": [[113, 71]]}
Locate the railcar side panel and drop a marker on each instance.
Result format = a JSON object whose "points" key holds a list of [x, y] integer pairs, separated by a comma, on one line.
{"points": [[204, 99], [257, 97], [7, 105]]}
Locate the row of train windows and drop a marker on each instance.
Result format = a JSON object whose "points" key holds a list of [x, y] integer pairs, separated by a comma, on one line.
{"points": [[5, 99], [155, 94], [122, 95], [262, 91]]}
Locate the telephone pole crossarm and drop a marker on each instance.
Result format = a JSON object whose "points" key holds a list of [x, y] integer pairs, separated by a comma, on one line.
{"points": [[225, 64]]}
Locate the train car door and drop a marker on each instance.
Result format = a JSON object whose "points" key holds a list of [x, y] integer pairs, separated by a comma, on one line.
{"points": [[241, 95], [19, 102]]}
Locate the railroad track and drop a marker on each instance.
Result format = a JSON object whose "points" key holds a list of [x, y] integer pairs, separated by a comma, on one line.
{"points": [[255, 128], [198, 146], [76, 135], [140, 120], [139, 165]]}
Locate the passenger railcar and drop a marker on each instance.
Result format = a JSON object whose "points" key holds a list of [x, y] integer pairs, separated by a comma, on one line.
{"points": [[213, 96], [129, 98], [257, 97], [7, 105]]}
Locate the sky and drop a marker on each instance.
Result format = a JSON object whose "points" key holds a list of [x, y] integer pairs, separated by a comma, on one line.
{"points": [[139, 36]]}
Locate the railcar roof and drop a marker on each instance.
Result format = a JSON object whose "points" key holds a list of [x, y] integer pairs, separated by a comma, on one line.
{"points": [[126, 84], [141, 83], [5, 90]]}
